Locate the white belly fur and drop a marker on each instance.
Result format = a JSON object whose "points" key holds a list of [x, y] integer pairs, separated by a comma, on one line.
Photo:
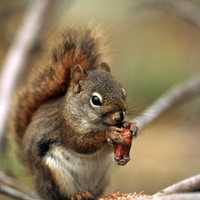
{"points": [[75, 172]]}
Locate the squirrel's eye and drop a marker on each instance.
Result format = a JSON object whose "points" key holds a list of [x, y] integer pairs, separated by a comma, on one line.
{"points": [[96, 99]]}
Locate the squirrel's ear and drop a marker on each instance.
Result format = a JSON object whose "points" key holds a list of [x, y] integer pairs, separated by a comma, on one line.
{"points": [[77, 73], [105, 66]]}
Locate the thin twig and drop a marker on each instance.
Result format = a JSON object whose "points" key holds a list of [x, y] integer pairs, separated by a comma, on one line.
{"points": [[177, 95], [18, 54]]}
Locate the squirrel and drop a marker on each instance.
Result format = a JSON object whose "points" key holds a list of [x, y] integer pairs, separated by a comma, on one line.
{"points": [[64, 115]]}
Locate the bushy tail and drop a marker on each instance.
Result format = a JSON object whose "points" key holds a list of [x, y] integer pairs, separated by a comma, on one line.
{"points": [[76, 47]]}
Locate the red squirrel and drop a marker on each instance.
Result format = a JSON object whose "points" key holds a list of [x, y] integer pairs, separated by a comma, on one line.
{"points": [[64, 116]]}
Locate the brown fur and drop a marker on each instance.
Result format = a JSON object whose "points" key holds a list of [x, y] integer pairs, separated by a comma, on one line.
{"points": [[52, 80], [58, 126], [48, 128]]}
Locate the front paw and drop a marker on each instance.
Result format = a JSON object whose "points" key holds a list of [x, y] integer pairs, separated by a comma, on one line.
{"points": [[115, 135], [82, 196], [132, 126]]}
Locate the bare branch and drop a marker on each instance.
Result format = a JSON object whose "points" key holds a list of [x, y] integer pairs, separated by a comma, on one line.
{"points": [[12, 188], [14, 193], [177, 95], [187, 10], [188, 185], [18, 55], [179, 196], [16, 60], [134, 196]]}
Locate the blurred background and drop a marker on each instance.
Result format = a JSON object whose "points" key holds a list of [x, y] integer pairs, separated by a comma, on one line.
{"points": [[154, 44]]}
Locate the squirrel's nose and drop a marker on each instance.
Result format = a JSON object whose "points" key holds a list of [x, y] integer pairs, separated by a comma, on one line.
{"points": [[119, 116]]}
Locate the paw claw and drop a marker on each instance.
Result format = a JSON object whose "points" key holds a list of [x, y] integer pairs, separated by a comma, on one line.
{"points": [[115, 135], [123, 161], [82, 196], [109, 141], [134, 131]]}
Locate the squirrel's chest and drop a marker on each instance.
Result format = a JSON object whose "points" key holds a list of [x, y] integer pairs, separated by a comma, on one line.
{"points": [[90, 173], [75, 172]]}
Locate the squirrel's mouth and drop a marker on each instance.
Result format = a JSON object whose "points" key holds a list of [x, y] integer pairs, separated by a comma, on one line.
{"points": [[114, 118]]}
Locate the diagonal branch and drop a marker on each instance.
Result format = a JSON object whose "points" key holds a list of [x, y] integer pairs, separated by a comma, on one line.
{"points": [[187, 10], [12, 188], [177, 95], [15, 193], [18, 55], [187, 185]]}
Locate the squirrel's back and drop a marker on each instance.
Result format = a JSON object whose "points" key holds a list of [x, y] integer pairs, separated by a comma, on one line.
{"points": [[50, 81]]}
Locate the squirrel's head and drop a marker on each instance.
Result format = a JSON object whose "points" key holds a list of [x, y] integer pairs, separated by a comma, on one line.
{"points": [[95, 100]]}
